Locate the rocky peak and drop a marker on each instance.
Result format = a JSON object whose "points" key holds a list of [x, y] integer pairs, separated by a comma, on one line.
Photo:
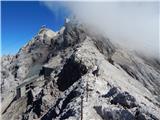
{"points": [[80, 74]]}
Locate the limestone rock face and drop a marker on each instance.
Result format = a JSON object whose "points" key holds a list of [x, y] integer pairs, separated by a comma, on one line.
{"points": [[79, 75]]}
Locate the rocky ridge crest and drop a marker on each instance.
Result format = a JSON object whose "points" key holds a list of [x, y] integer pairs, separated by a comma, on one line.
{"points": [[89, 74]]}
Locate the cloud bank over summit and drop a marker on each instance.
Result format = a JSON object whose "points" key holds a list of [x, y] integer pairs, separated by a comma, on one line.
{"points": [[133, 25]]}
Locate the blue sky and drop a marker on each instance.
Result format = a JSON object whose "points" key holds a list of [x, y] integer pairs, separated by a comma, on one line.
{"points": [[20, 21]]}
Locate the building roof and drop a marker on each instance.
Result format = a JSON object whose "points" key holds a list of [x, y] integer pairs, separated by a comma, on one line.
{"points": [[28, 80]]}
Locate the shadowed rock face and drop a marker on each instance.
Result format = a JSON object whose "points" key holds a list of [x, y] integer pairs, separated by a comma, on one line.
{"points": [[114, 114], [124, 99], [112, 92], [29, 98], [71, 72]]}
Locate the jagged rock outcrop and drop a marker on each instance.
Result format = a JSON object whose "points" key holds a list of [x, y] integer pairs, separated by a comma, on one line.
{"points": [[91, 79], [71, 72]]}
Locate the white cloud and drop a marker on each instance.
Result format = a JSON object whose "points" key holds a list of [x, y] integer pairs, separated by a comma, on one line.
{"points": [[134, 25]]}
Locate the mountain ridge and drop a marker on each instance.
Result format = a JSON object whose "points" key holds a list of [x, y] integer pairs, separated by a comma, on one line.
{"points": [[83, 67]]}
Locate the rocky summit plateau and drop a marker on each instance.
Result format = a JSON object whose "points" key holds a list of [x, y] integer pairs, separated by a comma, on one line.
{"points": [[77, 74]]}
